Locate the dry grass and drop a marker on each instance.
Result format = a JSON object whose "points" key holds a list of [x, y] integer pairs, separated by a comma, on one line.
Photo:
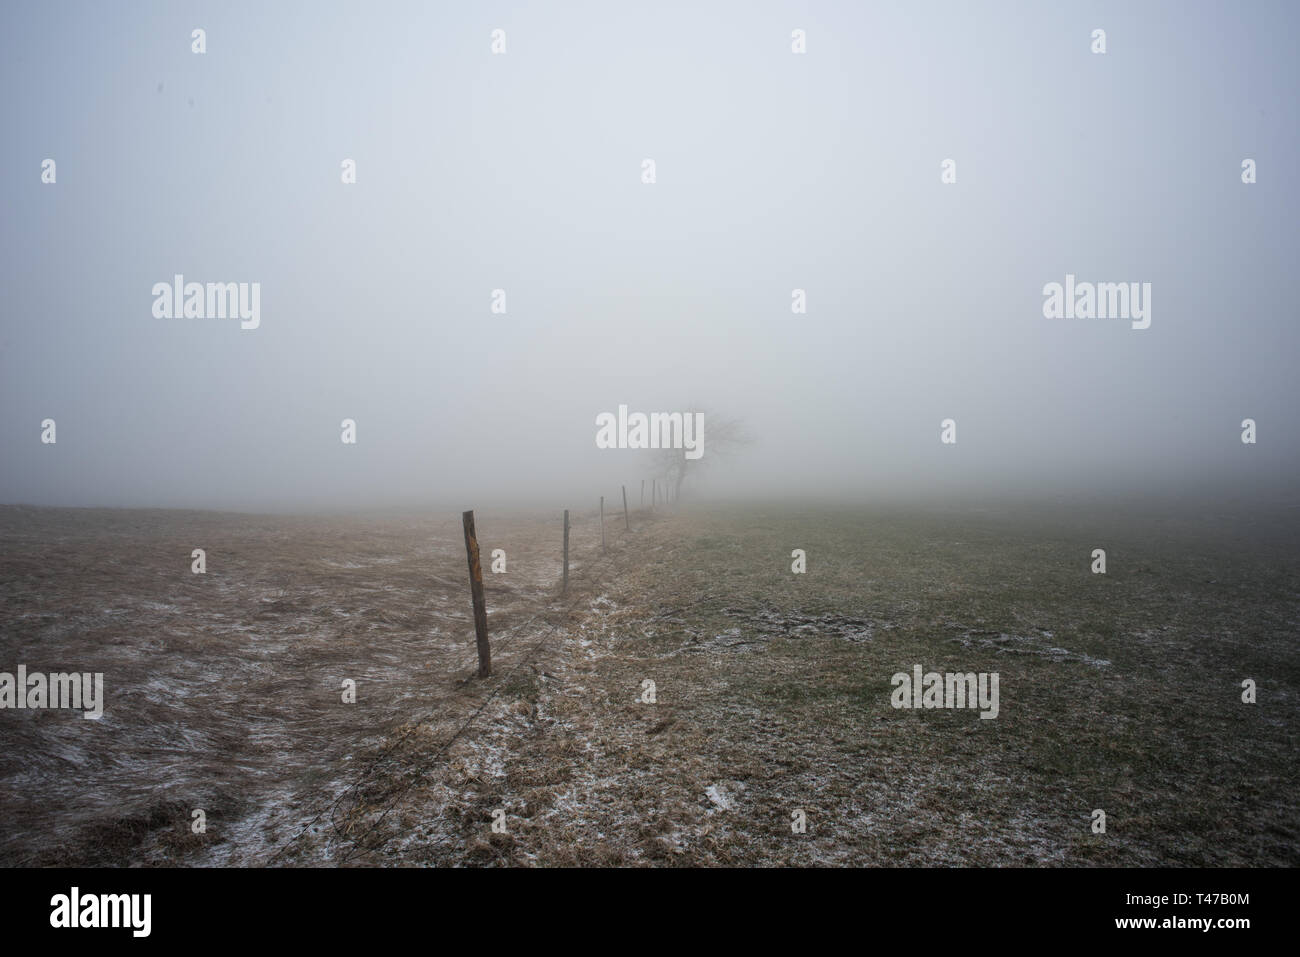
{"points": [[1119, 692], [224, 690]]}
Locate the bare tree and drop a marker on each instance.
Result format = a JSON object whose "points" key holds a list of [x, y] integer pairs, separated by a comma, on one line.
{"points": [[721, 436]]}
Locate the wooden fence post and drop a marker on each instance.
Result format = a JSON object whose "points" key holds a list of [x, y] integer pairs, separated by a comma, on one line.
{"points": [[476, 592], [626, 521], [643, 493], [602, 523], [566, 550]]}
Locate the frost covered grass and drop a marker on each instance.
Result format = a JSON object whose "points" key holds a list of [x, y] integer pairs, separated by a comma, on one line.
{"points": [[224, 691], [1119, 692]]}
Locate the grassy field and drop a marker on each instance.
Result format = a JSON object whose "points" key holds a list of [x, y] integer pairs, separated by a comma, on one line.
{"points": [[1120, 692]]}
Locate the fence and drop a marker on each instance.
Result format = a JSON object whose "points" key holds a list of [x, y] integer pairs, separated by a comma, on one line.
{"points": [[477, 599]]}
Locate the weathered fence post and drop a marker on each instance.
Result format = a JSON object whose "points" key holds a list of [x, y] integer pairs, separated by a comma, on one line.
{"points": [[626, 521], [654, 492], [566, 550], [602, 523], [476, 592], [643, 493]]}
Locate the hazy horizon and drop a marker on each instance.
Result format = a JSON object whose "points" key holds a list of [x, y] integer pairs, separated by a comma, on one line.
{"points": [[775, 171]]}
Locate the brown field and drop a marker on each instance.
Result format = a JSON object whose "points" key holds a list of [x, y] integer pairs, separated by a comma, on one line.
{"points": [[223, 691]]}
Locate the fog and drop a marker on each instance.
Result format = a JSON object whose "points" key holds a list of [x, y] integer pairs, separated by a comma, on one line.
{"points": [[522, 172]]}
